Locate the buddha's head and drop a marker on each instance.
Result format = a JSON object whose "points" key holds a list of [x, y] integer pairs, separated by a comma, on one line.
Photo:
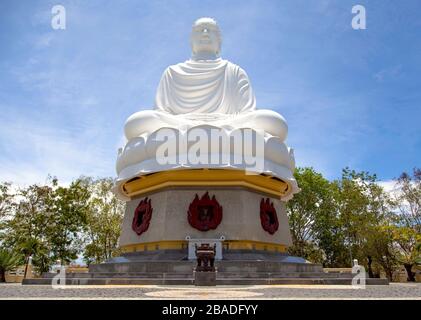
{"points": [[206, 39]]}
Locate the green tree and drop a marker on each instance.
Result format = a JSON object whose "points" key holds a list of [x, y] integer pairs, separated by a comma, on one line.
{"points": [[379, 215], [8, 262], [313, 222], [68, 221], [408, 198], [336, 222], [30, 220], [43, 259], [352, 203], [407, 229], [364, 208], [28, 248], [6, 197], [407, 240], [6, 206], [103, 221], [48, 222], [383, 250]]}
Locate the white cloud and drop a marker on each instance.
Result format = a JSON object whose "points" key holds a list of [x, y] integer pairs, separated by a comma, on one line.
{"points": [[388, 185], [33, 150]]}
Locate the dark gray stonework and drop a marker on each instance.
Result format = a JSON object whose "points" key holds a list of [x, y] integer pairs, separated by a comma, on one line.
{"points": [[205, 278], [171, 267]]}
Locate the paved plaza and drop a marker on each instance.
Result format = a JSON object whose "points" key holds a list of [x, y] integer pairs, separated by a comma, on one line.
{"points": [[393, 291]]}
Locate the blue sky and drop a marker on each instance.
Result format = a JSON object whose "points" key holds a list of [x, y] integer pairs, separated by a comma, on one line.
{"points": [[351, 98]]}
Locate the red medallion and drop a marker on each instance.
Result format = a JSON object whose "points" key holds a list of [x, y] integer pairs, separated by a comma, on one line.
{"points": [[142, 216], [268, 216], [204, 214]]}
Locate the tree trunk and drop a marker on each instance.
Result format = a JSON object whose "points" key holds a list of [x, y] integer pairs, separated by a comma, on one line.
{"points": [[389, 274], [369, 266], [2, 276], [411, 275], [26, 266]]}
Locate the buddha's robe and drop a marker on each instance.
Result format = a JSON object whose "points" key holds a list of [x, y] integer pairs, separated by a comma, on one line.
{"points": [[216, 86], [215, 92]]}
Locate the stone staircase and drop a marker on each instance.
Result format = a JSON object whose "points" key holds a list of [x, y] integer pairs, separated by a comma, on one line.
{"points": [[181, 273]]}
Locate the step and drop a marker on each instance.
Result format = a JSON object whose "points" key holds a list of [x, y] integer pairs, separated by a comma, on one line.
{"points": [[282, 275], [297, 281], [222, 275], [112, 281], [190, 281], [187, 266]]}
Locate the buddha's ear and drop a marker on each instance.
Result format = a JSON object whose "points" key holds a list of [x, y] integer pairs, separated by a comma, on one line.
{"points": [[218, 51], [191, 45]]}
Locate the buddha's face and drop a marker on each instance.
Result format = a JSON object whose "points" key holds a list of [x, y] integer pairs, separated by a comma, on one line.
{"points": [[205, 38]]}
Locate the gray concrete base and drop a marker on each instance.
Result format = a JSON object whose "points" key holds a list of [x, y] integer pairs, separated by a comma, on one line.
{"points": [[240, 222]]}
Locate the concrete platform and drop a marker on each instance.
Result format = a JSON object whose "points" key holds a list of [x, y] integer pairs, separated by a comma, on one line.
{"points": [[175, 281], [136, 271]]}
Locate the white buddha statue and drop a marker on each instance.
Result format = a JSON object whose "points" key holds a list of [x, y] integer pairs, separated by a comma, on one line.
{"points": [[204, 92], [205, 89]]}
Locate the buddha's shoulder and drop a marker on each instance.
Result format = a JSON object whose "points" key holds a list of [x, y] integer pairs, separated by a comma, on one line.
{"points": [[191, 65], [235, 68]]}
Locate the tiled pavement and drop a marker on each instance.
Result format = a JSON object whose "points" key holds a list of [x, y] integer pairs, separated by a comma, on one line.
{"points": [[393, 291]]}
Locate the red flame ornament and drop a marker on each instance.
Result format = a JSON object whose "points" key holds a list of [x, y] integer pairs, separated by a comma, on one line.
{"points": [[268, 216], [142, 216], [205, 213]]}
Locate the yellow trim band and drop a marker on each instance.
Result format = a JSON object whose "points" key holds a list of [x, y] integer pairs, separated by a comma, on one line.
{"points": [[205, 177], [227, 245]]}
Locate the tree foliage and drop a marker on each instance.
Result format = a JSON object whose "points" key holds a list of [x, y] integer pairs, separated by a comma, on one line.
{"points": [[47, 223], [103, 221], [8, 261], [408, 199], [312, 218], [6, 197], [334, 222]]}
